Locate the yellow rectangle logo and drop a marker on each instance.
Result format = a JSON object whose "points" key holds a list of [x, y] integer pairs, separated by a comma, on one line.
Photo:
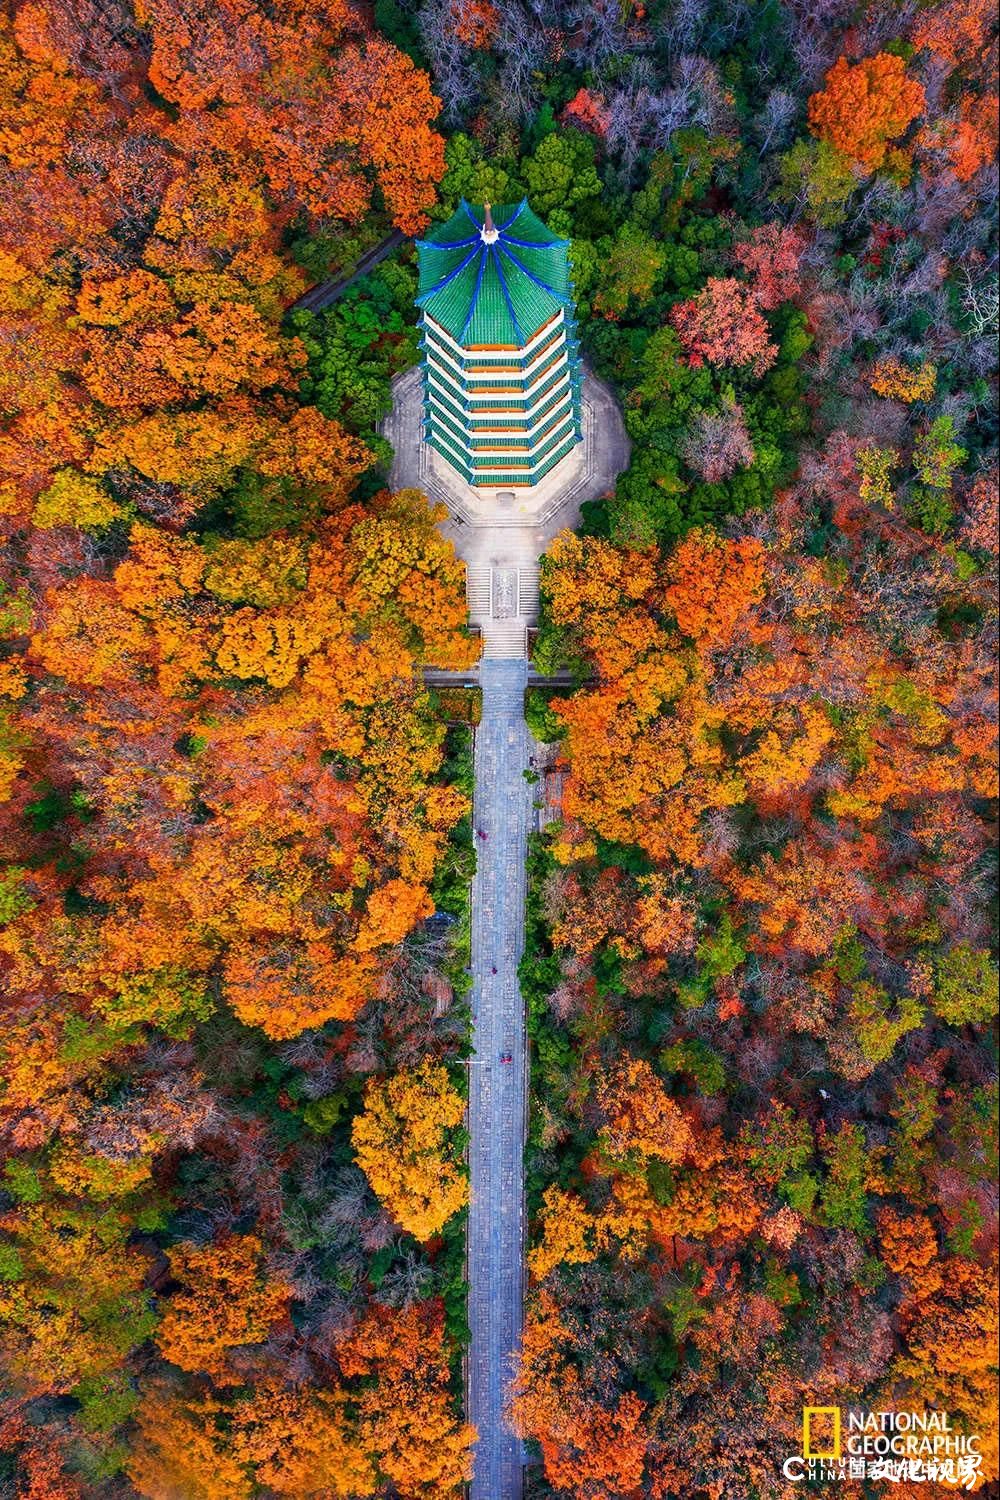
{"points": [[829, 1418]]}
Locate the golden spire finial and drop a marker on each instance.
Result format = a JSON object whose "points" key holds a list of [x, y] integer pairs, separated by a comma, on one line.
{"points": [[489, 232]]}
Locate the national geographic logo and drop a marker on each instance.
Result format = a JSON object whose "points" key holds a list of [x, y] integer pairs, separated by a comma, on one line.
{"points": [[915, 1447]]}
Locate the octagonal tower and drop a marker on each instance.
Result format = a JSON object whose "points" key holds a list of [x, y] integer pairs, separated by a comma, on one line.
{"points": [[501, 365]]}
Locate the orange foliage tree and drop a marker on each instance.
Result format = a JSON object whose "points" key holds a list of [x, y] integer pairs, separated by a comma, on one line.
{"points": [[404, 1411], [301, 1442], [567, 1233], [770, 766], [587, 1449], [641, 1118], [866, 106], [229, 1300], [295, 108], [185, 1448], [968, 138], [712, 583], [957, 32]]}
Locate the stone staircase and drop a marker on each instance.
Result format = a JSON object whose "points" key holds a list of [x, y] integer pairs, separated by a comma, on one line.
{"points": [[504, 639], [477, 593], [528, 591]]}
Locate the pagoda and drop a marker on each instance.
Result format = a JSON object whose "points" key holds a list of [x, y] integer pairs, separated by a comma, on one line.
{"points": [[501, 365]]}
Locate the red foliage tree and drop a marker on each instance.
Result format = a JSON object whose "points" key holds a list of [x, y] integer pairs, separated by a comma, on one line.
{"points": [[770, 255], [723, 325]]}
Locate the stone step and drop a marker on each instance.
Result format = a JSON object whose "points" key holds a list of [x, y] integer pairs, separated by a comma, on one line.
{"points": [[504, 640], [527, 589], [478, 591]]}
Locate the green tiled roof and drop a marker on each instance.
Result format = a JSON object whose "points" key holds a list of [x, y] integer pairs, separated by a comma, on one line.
{"points": [[493, 293]]}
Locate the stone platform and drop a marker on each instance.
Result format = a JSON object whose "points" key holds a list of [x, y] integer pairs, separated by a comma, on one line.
{"points": [[500, 534]]}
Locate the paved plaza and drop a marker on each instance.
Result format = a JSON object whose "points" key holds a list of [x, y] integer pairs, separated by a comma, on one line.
{"points": [[503, 532]]}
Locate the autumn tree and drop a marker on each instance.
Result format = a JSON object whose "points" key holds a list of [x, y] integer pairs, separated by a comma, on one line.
{"points": [[640, 1117], [965, 986], [74, 1299], [185, 1448], [404, 1142], [966, 139], [724, 326], [957, 32], [229, 1299], [587, 1448], [300, 1442], [770, 255], [567, 1233], [819, 178], [712, 584], [891, 378], [405, 1416], [39, 1458], [291, 128], [865, 107], [474, 22]]}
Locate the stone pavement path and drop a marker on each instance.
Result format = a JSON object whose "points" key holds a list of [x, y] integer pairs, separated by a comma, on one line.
{"points": [[497, 1091]]}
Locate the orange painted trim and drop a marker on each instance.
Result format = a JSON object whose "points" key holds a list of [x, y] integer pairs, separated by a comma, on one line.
{"points": [[498, 348], [518, 369], [503, 370]]}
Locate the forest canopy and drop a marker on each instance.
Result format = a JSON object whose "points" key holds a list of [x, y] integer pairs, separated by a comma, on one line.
{"points": [[235, 834]]}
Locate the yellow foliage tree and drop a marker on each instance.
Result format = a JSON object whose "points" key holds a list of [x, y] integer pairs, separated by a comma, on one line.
{"points": [[184, 1449], [890, 377], [73, 499], [567, 1233], [300, 1443], [401, 1144]]}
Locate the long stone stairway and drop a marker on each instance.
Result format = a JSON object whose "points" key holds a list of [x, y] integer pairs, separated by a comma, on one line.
{"points": [[500, 536]]}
